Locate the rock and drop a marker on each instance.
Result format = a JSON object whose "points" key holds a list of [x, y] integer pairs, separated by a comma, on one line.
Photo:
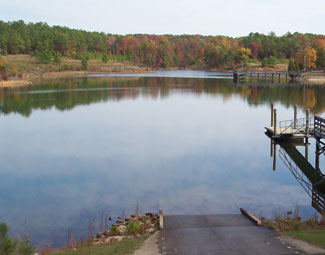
{"points": [[74, 249], [99, 235], [152, 214], [115, 239], [98, 243], [144, 218], [128, 218], [150, 231], [122, 230], [120, 222], [134, 215], [107, 233]]}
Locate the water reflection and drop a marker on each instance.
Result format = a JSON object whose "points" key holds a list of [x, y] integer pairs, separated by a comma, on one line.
{"points": [[310, 177], [67, 94], [188, 146]]}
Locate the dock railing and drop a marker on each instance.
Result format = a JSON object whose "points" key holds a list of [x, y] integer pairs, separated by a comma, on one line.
{"points": [[297, 126], [319, 127]]}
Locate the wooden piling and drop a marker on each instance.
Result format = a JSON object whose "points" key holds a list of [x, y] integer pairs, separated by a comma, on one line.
{"points": [[274, 156], [307, 120], [272, 114], [161, 219], [306, 148], [317, 153], [295, 117], [274, 121]]}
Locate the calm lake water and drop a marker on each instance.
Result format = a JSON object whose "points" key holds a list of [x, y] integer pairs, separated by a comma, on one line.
{"points": [[186, 142]]}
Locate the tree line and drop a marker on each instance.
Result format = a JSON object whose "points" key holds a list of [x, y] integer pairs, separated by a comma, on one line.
{"points": [[49, 43]]}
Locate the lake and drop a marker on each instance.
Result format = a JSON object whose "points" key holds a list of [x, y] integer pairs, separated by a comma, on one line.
{"points": [[186, 142]]}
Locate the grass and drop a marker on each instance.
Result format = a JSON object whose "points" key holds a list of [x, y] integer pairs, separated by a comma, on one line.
{"points": [[122, 248], [28, 65], [316, 237]]}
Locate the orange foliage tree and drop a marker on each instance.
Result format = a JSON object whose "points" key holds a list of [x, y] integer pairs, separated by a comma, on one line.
{"points": [[307, 56]]}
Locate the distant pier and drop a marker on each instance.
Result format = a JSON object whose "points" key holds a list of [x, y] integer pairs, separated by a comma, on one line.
{"points": [[244, 75]]}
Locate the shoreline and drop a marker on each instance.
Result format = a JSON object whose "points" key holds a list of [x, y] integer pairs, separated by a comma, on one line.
{"points": [[30, 79]]}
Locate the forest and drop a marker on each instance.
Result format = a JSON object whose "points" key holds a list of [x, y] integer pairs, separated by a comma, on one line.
{"points": [[50, 43]]}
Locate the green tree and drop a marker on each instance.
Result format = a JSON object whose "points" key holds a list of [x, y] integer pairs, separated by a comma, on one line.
{"points": [[25, 248], [265, 62], [7, 246], [320, 62], [57, 57], [293, 66], [44, 56], [84, 63], [105, 58]]}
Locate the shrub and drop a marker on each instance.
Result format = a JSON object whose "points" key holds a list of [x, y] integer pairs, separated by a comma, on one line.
{"points": [[57, 57], [265, 62], [293, 65], [7, 246], [114, 229], [3, 75], [105, 58], [25, 248], [44, 56], [84, 63], [133, 226]]}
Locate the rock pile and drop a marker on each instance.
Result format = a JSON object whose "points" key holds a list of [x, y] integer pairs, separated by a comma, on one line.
{"points": [[133, 226]]}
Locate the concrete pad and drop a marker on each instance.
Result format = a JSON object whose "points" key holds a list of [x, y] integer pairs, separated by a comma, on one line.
{"points": [[150, 246], [220, 234]]}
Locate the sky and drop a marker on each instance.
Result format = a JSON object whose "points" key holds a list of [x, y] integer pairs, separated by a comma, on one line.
{"points": [[207, 17]]}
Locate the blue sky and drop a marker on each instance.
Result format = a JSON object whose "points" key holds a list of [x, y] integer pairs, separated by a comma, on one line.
{"points": [[207, 17]]}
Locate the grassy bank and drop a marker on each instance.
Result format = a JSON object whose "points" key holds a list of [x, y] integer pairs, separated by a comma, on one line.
{"points": [[311, 230], [316, 237], [24, 69], [122, 248]]}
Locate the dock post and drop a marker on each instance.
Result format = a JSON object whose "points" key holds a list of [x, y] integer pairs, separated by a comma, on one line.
{"points": [[274, 121], [317, 154], [295, 117], [274, 156], [272, 114], [306, 148], [307, 120]]}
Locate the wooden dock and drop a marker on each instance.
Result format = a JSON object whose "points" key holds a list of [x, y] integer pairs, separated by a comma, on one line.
{"points": [[244, 75], [291, 133]]}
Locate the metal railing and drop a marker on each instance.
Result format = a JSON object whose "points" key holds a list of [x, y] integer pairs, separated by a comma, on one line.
{"points": [[318, 201], [319, 127], [301, 125], [296, 172]]}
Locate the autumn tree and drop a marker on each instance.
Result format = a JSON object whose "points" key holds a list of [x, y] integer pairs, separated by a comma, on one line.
{"points": [[306, 57], [254, 49]]}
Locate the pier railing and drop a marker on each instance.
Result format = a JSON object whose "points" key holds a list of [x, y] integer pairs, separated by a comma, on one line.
{"points": [[296, 172], [297, 126], [319, 127]]}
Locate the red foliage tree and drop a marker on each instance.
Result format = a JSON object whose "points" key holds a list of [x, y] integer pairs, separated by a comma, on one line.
{"points": [[254, 48]]}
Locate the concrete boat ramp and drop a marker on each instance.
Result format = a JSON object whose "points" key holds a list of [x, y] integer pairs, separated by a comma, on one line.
{"points": [[230, 234]]}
